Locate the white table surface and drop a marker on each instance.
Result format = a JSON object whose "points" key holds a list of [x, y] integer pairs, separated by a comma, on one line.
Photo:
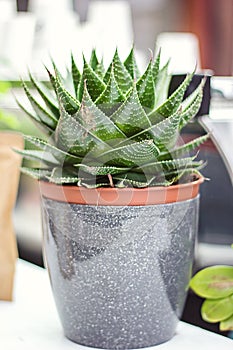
{"points": [[31, 322]]}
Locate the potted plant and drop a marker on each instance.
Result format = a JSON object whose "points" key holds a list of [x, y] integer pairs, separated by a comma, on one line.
{"points": [[215, 285], [119, 198]]}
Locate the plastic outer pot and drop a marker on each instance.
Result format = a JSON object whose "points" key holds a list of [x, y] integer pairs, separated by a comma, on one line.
{"points": [[119, 273]]}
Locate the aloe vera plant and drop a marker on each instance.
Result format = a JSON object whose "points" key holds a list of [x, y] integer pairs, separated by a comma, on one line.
{"points": [[112, 127], [215, 285]]}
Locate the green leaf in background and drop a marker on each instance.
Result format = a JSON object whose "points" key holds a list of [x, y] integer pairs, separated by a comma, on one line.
{"points": [[216, 310], [227, 324], [213, 282]]}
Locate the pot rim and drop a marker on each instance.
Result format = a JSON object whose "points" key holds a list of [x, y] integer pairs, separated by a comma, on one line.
{"points": [[121, 196]]}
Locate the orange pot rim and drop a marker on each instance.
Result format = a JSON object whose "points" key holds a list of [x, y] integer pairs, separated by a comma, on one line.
{"points": [[129, 196]]}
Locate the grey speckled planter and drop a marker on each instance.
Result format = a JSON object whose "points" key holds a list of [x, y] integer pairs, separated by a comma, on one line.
{"points": [[119, 274]]}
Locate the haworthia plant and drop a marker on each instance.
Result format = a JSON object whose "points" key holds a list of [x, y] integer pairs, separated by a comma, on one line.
{"points": [[112, 127], [215, 285]]}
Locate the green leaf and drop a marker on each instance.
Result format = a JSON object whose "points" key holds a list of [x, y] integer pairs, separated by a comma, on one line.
{"points": [[131, 65], [46, 96], [131, 179], [162, 82], [111, 96], [133, 154], [213, 282], [227, 324], [70, 103], [96, 122], [172, 104], [61, 176], [94, 84], [42, 126], [99, 70], [168, 166], [164, 134], [102, 170], [36, 173], [93, 60], [74, 138], [191, 105], [130, 116], [122, 75], [42, 156], [155, 68], [76, 75], [217, 310], [43, 115], [184, 149], [145, 88], [61, 156]]}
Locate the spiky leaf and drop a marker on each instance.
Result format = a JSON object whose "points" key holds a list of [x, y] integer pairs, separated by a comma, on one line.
{"points": [[146, 89], [131, 65], [96, 122], [131, 117], [122, 75], [43, 115], [76, 75], [94, 84], [133, 154]]}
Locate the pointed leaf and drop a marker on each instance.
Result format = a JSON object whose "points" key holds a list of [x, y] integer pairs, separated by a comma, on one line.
{"points": [[213, 282], [73, 138], [131, 65], [76, 75], [94, 84], [191, 105], [102, 170], [61, 156], [42, 156], [131, 117], [121, 74], [217, 310], [110, 98], [132, 180], [96, 122], [44, 127], [100, 70], [93, 60], [184, 149], [168, 166], [43, 115], [60, 176], [164, 134], [133, 154], [172, 104], [47, 97], [70, 103], [155, 68], [145, 88], [37, 174], [162, 84]]}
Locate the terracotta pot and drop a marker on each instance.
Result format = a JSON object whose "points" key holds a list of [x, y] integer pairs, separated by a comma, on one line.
{"points": [[119, 260]]}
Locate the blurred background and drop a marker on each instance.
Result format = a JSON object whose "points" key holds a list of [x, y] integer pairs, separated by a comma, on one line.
{"points": [[192, 32]]}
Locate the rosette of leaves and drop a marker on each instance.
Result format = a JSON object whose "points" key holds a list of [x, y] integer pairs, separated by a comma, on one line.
{"points": [[112, 127], [215, 285]]}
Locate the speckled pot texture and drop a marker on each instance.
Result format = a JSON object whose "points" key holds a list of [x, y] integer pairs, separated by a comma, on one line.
{"points": [[119, 274]]}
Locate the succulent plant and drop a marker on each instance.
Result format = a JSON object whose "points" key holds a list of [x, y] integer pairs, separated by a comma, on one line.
{"points": [[112, 127], [215, 285]]}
